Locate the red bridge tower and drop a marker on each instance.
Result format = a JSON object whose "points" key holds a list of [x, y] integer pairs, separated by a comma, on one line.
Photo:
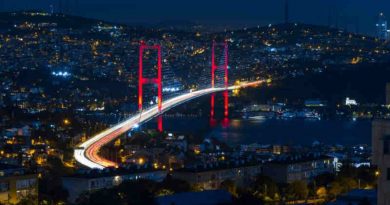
{"points": [[157, 81], [223, 66]]}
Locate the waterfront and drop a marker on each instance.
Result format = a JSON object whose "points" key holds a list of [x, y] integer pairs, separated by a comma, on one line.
{"points": [[273, 131]]}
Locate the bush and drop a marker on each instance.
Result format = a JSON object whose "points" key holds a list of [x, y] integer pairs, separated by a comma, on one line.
{"points": [[297, 190]]}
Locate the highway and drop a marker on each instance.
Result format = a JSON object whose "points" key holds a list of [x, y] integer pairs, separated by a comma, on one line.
{"points": [[87, 153]]}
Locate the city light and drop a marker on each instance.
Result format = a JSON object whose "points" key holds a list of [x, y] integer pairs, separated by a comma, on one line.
{"points": [[256, 107], [66, 121], [141, 161], [61, 74], [350, 102], [171, 89]]}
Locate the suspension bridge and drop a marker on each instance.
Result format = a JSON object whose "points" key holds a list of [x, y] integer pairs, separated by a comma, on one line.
{"points": [[87, 153]]}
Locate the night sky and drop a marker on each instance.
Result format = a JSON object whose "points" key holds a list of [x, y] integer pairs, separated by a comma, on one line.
{"points": [[356, 15]]}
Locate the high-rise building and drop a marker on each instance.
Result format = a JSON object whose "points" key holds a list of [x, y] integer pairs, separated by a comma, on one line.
{"points": [[381, 28], [81, 183], [381, 158], [17, 184]]}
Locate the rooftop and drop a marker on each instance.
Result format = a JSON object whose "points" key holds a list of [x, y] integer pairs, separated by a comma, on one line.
{"points": [[219, 166], [108, 172], [298, 158], [213, 197]]}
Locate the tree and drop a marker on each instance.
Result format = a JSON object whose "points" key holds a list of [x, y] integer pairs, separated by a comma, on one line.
{"points": [[265, 187], [321, 192], [324, 179], [347, 170], [247, 198], [132, 193], [196, 187], [105, 196], [229, 186], [367, 175], [164, 192], [175, 185], [297, 190], [28, 200], [335, 189], [50, 185], [347, 183]]}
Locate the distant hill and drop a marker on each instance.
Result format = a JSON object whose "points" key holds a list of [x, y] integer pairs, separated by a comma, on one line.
{"points": [[8, 19], [365, 83], [296, 47]]}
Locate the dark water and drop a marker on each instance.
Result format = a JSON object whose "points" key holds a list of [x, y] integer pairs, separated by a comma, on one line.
{"points": [[293, 132]]}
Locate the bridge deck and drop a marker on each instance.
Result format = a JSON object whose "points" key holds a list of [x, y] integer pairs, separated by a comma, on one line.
{"points": [[87, 152]]}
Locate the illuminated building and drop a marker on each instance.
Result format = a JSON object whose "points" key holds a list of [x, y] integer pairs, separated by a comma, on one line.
{"points": [[286, 169], [381, 27], [349, 101], [210, 177], [90, 181], [16, 184], [381, 158], [315, 103]]}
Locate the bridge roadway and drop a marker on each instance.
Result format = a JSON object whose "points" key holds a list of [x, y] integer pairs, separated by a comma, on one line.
{"points": [[87, 153]]}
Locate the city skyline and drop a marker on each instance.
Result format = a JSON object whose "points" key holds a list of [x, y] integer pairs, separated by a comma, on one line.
{"points": [[358, 16], [164, 111]]}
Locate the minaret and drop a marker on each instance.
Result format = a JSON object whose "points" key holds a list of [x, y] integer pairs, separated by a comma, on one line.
{"points": [[286, 12]]}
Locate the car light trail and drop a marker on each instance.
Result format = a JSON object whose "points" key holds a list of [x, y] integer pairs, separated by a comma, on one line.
{"points": [[87, 153]]}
